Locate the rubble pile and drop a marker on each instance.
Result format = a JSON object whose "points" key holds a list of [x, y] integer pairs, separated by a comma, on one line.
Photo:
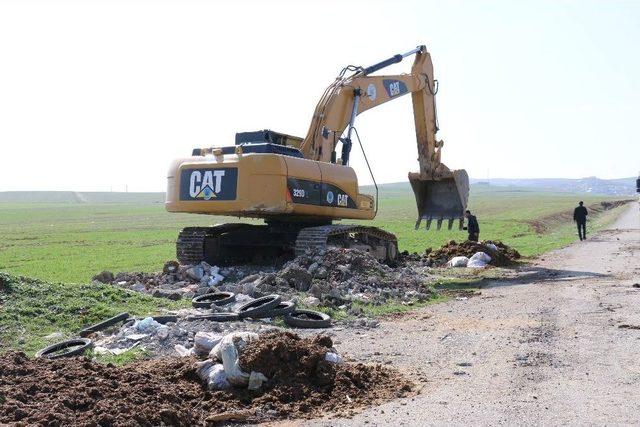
{"points": [[175, 281], [500, 253], [336, 278], [169, 391]]}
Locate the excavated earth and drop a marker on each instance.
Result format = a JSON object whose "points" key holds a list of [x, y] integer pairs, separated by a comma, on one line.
{"points": [[503, 255], [168, 391]]}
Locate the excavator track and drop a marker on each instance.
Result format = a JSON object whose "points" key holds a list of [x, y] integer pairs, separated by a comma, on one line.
{"points": [[385, 244], [191, 243], [241, 243]]}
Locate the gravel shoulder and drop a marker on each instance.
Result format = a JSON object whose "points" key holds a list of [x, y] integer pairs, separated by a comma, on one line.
{"points": [[542, 346]]}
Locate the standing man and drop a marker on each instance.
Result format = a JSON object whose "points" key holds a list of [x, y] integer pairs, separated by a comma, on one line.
{"points": [[580, 217], [472, 226]]}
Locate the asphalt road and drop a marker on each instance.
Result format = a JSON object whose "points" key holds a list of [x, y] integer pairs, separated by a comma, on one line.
{"points": [[546, 346]]}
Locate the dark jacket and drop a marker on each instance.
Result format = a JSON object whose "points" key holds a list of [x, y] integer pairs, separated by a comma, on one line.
{"points": [[580, 214], [472, 224]]}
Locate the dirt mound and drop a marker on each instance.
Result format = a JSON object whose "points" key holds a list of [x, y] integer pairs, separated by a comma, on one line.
{"points": [[504, 255], [296, 367], [79, 392], [168, 391]]}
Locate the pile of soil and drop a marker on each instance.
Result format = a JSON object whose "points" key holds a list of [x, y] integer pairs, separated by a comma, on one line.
{"points": [[297, 367], [168, 391], [505, 254]]}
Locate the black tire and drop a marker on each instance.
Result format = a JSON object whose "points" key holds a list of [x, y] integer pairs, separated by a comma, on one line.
{"points": [[259, 306], [163, 320], [76, 347], [282, 309], [122, 317], [215, 317], [217, 298], [307, 319]]}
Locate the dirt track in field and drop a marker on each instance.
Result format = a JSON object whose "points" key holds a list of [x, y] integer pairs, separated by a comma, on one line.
{"points": [[554, 344]]}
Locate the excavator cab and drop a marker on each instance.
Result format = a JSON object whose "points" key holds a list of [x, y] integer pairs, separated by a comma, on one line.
{"points": [[442, 198]]}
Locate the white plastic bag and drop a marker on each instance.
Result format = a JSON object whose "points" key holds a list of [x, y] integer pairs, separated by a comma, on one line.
{"points": [[479, 260], [182, 350], [146, 325], [333, 357], [203, 342], [218, 378], [212, 374], [458, 261], [226, 351]]}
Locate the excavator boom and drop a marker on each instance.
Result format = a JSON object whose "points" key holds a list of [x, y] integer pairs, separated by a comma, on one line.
{"points": [[440, 193]]}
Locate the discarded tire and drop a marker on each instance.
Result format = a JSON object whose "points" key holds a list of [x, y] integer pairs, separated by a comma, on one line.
{"points": [[282, 309], [307, 319], [217, 298], [259, 306], [104, 324], [215, 317], [68, 348]]}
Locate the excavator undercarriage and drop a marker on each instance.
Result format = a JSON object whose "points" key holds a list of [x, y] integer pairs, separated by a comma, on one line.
{"points": [[229, 244]]}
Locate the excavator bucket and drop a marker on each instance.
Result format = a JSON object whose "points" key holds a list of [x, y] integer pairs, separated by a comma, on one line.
{"points": [[441, 199]]}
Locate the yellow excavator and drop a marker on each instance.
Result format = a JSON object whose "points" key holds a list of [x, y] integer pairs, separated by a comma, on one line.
{"points": [[299, 186]]}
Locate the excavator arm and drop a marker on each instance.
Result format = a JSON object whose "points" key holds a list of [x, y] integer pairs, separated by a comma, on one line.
{"points": [[440, 192]]}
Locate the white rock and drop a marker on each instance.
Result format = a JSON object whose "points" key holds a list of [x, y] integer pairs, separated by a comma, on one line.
{"points": [[162, 332], [136, 337], [101, 350], [311, 301]]}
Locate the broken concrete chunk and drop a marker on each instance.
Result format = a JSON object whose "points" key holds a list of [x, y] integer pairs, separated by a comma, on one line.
{"points": [[169, 294], [196, 272], [297, 277]]}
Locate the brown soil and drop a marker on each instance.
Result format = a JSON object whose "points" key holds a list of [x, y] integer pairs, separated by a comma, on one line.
{"points": [[167, 391], [302, 381], [505, 254]]}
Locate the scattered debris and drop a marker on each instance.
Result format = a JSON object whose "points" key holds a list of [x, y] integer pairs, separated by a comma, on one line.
{"points": [[174, 282], [332, 278]]}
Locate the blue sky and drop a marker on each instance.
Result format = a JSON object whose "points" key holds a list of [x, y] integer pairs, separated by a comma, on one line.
{"points": [[96, 95]]}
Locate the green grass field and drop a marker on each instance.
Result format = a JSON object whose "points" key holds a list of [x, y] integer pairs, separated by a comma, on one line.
{"points": [[69, 237], [61, 240]]}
